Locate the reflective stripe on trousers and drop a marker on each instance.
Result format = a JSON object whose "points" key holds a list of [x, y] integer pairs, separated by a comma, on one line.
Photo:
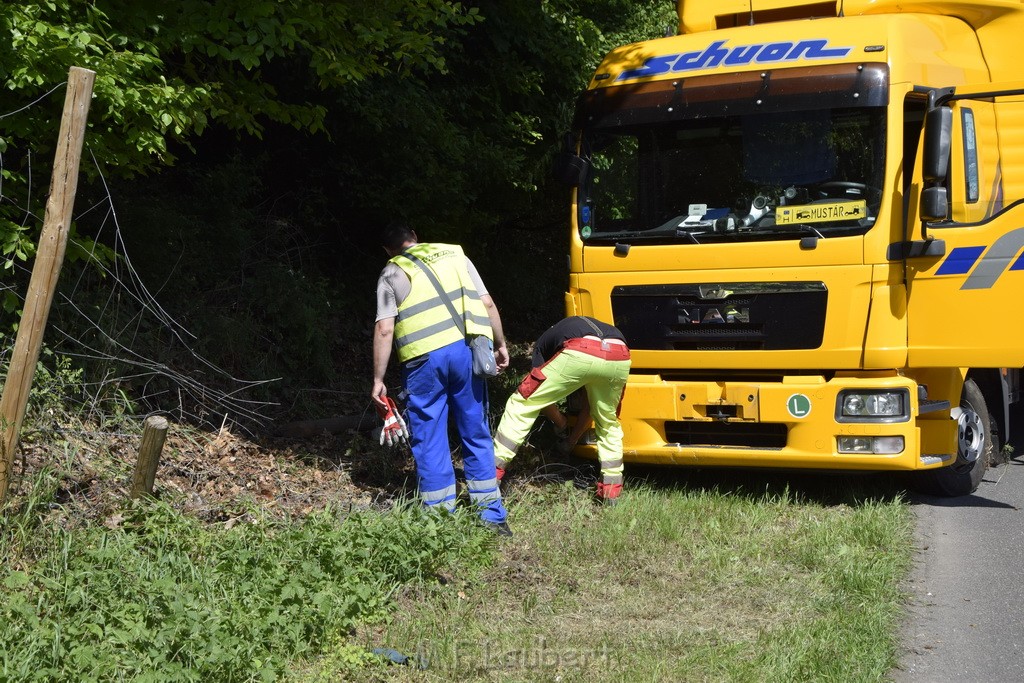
{"points": [[483, 491], [444, 498]]}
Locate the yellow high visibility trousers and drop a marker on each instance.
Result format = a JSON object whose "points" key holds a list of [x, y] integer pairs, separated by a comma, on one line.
{"points": [[567, 371]]}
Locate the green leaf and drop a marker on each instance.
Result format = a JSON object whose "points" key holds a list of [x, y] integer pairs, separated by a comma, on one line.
{"points": [[16, 580]]}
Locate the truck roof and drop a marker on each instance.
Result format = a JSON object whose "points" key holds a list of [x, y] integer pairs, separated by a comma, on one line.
{"points": [[708, 15], [934, 43], [924, 50]]}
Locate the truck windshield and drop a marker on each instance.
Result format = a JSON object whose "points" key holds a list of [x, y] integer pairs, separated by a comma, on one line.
{"points": [[788, 167]]}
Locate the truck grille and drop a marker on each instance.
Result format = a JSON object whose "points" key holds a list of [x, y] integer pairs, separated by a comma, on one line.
{"points": [[744, 316], [732, 434]]}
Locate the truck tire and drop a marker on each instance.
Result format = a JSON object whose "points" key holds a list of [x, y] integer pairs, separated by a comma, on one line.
{"points": [[974, 450]]}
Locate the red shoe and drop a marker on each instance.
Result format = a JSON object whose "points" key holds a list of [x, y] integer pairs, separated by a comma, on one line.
{"points": [[608, 493]]}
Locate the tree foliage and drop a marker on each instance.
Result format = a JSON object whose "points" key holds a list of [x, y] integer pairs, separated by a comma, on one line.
{"points": [[167, 70], [257, 143]]}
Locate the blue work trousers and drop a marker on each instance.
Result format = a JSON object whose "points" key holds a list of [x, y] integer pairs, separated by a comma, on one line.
{"points": [[436, 382]]}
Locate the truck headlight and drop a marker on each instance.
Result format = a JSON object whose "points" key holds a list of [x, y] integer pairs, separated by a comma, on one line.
{"points": [[873, 406]]}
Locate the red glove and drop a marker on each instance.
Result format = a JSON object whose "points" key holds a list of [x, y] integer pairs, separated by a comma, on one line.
{"points": [[395, 430]]}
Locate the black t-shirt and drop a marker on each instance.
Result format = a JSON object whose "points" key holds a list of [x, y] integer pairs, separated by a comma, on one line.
{"points": [[550, 343]]}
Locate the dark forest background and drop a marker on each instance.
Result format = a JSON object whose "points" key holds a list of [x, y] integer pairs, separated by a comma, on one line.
{"points": [[241, 157]]}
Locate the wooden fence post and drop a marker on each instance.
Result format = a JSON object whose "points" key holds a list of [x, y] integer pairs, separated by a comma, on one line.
{"points": [[49, 258], [154, 432]]}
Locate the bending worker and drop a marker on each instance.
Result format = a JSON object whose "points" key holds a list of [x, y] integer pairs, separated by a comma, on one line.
{"points": [[437, 366], [577, 352]]}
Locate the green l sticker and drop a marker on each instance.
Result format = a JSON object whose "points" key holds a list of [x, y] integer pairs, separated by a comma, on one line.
{"points": [[798, 405]]}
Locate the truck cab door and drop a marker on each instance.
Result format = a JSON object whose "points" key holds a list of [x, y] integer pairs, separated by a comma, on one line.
{"points": [[964, 260]]}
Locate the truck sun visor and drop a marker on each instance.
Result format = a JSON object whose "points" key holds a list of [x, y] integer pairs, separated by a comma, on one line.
{"points": [[817, 87]]}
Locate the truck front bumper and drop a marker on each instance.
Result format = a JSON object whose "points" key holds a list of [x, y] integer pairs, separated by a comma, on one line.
{"points": [[795, 422]]}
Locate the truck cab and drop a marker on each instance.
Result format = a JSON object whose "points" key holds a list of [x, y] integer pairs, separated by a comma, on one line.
{"points": [[806, 219]]}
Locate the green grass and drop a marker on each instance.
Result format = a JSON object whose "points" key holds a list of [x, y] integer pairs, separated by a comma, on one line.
{"points": [[163, 597], [689, 578], [677, 583]]}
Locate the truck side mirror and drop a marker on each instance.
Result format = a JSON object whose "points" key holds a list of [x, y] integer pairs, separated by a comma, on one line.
{"points": [[569, 167], [938, 135], [934, 204]]}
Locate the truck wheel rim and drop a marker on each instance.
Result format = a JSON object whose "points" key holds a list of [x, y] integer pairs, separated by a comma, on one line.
{"points": [[970, 437]]}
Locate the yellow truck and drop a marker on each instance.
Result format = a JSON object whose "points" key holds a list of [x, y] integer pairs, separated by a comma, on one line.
{"points": [[807, 218]]}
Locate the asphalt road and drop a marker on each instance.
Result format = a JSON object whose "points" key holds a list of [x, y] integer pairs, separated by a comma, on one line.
{"points": [[966, 616]]}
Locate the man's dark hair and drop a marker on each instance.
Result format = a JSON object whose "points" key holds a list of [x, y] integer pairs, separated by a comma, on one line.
{"points": [[395, 235]]}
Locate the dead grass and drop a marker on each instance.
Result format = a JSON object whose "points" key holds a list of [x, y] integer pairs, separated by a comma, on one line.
{"points": [[215, 476]]}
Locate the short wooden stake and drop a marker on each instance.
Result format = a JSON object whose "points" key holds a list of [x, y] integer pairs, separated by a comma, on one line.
{"points": [[154, 432]]}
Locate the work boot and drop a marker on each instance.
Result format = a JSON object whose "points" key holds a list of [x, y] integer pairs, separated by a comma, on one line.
{"points": [[499, 528], [608, 494]]}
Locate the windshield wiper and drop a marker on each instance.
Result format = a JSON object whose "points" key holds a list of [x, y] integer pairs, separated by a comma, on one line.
{"points": [[645, 236]]}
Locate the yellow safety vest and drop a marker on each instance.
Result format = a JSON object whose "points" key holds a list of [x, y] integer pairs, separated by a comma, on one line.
{"points": [[424, 321]]}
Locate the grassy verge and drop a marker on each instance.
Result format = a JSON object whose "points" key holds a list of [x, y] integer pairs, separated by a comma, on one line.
{"points": [[164, 597], [688, 579], [679, 582]]}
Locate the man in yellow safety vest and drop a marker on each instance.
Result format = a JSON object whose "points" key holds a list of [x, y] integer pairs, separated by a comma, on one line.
{"points": [[421, 290]]}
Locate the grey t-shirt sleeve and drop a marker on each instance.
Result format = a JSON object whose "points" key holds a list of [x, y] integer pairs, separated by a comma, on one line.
{"points": [[478, 283], [392, 288]]}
